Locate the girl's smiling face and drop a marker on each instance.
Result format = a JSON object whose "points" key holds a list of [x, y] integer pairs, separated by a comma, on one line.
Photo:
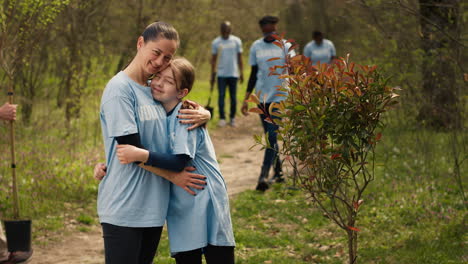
{"points": [[164, 87]]}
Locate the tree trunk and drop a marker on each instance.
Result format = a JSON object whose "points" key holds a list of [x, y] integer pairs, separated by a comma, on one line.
{"points": [[141, 22], [352, 246], [439, 39]]}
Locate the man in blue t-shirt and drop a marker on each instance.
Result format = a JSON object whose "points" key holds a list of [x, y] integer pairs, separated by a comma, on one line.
{"points": [[228, 48], [320, 49], [261, 51]]}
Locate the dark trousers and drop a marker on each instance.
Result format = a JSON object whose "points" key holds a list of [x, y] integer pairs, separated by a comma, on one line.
{"points": [[130, 245], [231, 82], [213, 255], [271, 153]]}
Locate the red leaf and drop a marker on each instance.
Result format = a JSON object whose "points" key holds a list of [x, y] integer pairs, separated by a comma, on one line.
{"points": [[292, 47], [378, 136], [256, 110], [276, 36], [269, 120], [279, 44], [297, 58], [342, 88], [275, 58], [253, 98], [354, 228], [355, 205], [335, 156]]}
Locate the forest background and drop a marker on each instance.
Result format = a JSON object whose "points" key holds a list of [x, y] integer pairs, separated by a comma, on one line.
{"points": [[57, 55]]}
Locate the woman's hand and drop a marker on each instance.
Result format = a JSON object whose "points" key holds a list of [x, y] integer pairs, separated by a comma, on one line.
{"points": [[185, 179], [197, 116], [128, 154], [100, 171]]}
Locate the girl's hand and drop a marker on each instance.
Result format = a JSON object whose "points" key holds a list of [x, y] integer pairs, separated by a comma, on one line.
{"points": [[128, 154], [186, 180], [100, 171], [197, 116]]}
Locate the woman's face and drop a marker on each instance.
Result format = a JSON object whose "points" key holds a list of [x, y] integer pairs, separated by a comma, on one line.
{"points": [[164, 87], [155, 55]]}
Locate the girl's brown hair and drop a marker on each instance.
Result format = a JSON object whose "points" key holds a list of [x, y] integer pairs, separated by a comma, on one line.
{"points": [[184, 73]]}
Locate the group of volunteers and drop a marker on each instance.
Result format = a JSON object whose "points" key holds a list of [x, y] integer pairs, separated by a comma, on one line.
{"points": [[229, 68], [161, 165]]}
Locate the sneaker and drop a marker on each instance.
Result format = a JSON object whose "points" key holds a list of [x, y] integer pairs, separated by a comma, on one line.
{"points": [[233, 123], [19, 257], [222, 123], [262, 186], [276, 179]]}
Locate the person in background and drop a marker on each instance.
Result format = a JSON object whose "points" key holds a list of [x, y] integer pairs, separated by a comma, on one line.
{"points": [[8, 113], [266, 85], [320, 49], [228, 48]]}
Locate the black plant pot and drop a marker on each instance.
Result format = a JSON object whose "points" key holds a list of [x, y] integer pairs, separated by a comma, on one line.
{"points": [[18, 235]]}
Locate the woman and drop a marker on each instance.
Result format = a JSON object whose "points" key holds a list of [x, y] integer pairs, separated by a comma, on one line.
{"points": [[133, 202]]}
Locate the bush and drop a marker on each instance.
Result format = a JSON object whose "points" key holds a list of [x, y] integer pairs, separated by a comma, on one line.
{"points": [[330, 123]]}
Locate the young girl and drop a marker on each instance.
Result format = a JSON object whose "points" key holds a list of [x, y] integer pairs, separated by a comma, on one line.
{"points": [[199, 224]]}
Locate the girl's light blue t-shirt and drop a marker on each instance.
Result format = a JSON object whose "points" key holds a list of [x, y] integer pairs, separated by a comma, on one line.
{"points": [[195, 221], [129, 195], [268, 85]]}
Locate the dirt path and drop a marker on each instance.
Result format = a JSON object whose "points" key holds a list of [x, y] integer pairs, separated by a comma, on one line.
{"points": [[239, 165]]}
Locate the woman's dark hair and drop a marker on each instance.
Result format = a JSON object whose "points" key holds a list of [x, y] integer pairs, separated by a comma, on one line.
{"points": [[160, 29]]}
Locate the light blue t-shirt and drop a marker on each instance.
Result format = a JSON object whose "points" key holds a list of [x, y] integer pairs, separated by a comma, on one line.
{"points": [[322, 53], [267, 85], [129, 195], [227, 51], [195, 221]]}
